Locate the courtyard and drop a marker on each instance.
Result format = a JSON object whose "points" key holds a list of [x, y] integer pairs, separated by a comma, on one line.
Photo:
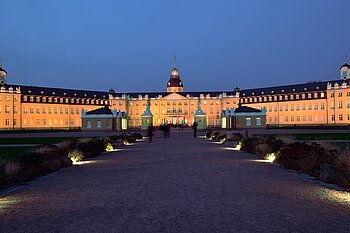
{"points": [[176, 184]]}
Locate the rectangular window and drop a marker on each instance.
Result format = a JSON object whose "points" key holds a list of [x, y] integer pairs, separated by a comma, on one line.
{"points": [[286, 119], [258, 121], [37, 110], [61, 110], [286, 108], [50, 110], [303, 107], [31, 110], [14, 121], [248, 121], [55, 110], [340, 105], [7, 109], [77, 111], [322, 105], [304, 118], [340, 117], [292, 107], [309, 107], [292, 118], [98, 124], [316, 106], [310, 119], [281, 108], [44, 121], [88, 124], [38, 122], [333, 117], [297, 107], [44, 110], [72, 111], [7, 122]]}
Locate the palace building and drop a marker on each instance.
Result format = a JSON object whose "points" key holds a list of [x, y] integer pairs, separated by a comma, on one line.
{"points": [[313, 103]]}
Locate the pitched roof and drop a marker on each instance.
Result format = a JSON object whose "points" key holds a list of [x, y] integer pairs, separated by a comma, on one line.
{"points": [[304, 87], [246, 109], [99, 111], [62, 92]]}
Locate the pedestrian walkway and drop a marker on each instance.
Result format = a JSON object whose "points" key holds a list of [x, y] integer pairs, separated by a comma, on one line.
{"points": [[177, 184]]}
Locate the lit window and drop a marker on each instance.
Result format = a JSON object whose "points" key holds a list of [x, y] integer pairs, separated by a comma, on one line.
{"points": [[98, 124], [88, 124], [258, 121], [248, 121]]}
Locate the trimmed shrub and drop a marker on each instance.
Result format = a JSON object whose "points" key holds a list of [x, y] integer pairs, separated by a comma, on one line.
{"points": [[12, 170], [138, 136], [249, 145], [221, 138], [342, 169], [305, 157], [209, 134], [76, 155], [115, 138], [214, 135], [65, 161]]}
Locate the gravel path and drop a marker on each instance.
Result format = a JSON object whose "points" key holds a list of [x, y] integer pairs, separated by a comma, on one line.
{"points": [[179, 185]]}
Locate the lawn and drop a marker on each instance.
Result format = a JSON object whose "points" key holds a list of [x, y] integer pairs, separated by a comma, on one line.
{"points": [[328, 136], [11, 152], [47, 140]]}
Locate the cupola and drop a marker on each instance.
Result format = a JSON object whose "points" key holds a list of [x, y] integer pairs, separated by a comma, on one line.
{"points": [[175, 84], [3, 75], [345, 71]]}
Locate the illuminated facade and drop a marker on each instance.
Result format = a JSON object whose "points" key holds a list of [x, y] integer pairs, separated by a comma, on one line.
{"points": [[315, 103]]}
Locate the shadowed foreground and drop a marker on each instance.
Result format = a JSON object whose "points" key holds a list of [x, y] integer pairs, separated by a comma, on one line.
{"points": [[179, 184]]}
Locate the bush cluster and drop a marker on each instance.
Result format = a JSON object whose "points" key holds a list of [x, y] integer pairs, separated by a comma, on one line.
{"points": [[322, 162], [48, 158], [126, 138]]}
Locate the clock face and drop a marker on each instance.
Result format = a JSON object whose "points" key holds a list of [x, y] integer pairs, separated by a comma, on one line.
{"points": [[2, 73]]}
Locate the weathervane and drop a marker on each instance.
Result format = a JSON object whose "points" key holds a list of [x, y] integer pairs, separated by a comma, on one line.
{"points": [[175, 61], [345, 57]]}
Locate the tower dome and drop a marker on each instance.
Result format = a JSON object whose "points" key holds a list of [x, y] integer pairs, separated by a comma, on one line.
{"points": [[345, 71], [175, 84], [3, 75], [111, 91]]}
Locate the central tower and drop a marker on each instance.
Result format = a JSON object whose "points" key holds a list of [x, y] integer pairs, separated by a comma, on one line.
{"points": [[175, 84]]}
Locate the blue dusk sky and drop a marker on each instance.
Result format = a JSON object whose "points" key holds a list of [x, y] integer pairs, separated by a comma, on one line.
{"points": [[129, 45]]}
